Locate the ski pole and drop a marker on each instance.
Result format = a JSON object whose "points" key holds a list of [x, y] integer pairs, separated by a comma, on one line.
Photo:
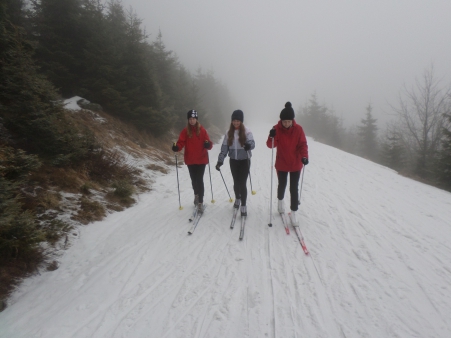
{"points": [[209, 172], [270, 198], [250, 177], [178, 186], [230, 198], [302, 182]]}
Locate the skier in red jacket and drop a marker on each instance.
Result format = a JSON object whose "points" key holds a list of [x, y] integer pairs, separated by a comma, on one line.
{"points": [[196, 141], [292, 155]]}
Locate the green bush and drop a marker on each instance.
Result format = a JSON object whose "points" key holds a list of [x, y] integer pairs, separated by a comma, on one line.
{"points": [[123, 189], [18, 232]]}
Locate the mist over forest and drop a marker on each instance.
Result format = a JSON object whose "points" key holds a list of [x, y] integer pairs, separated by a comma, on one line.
{"points": [[372, 79]]}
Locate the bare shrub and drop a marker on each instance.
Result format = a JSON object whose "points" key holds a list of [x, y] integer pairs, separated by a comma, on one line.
{"points": [[106, 165]]}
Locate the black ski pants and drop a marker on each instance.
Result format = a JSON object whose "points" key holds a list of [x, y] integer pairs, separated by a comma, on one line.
{"points": [[196, 172], [294, 183], [240, 171]]}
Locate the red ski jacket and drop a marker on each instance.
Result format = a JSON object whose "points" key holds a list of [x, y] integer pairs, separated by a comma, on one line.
{"points": [[291, 147], [195, 153]]}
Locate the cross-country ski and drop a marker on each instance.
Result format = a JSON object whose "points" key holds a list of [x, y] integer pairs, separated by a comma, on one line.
{"points": [[243, 225], [196, 220], [235, 213], [283, 216], [298, 232], [194, 214]]}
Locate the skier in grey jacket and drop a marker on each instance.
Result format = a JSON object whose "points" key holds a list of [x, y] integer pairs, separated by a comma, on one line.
{"points": [[238, 143]]}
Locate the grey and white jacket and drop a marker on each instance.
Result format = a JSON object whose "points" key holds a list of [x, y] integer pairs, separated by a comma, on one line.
{"points": [[236, 151]]}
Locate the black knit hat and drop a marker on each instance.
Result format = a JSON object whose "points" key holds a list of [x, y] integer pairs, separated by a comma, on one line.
{"points": [[192, 113], [238, 115], [287, 113]]}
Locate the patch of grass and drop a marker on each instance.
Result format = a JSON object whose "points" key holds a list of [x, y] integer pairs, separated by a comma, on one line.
{"points": [[66, 179], [53, 266], [50, 200], [123, 189], [156, 167], [122, 193], [114, 206], [90, 211], [40, 200], [54, 230], [86, 188]]}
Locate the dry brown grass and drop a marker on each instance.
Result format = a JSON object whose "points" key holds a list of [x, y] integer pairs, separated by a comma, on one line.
{"points": [[54, 230], [157, 167], [67, 179], [90, 211]]}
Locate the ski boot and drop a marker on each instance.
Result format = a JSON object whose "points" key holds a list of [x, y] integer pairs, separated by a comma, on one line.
{"points": [[280, 207], [243, 210], [237, 203], [294, 220]]}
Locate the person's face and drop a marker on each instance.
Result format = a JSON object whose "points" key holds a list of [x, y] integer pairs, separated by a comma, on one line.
{"points": [[287, 123], [236, 123], [192, 121]]}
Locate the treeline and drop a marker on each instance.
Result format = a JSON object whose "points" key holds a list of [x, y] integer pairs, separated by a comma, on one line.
{"points": [[54, 49], [417, 143], [101, 52]]}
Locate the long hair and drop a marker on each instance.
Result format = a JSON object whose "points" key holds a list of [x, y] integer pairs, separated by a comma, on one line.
{"points": [[241, 134], [188, 129]]}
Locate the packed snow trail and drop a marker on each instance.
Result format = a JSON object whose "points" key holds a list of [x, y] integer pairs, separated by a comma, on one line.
{"points": [[380, 242]]}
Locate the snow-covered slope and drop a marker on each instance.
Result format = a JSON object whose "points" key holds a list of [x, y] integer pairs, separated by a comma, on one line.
{"points": [[379, 265]]}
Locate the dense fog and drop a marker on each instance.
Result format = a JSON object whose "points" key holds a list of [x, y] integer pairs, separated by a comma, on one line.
{"points": [[350, 53]]}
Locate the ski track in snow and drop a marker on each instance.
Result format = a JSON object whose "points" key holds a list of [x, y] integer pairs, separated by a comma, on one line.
{"points": [[378, 265]]}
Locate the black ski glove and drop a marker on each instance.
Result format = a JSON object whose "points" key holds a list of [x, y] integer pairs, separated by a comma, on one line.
{"points": [[207, 144], [304, 160], [272, 133], [247, 146], [218, 166], [175, 147]]}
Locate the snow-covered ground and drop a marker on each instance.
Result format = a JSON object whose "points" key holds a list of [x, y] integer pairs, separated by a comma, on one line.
{"points": [[379, 266]]}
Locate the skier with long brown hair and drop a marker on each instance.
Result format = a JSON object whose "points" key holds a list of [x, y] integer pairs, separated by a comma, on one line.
{"points": [[238, 143]]}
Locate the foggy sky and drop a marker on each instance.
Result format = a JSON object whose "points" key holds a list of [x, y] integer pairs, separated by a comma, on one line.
{"points": [[349, 52]]}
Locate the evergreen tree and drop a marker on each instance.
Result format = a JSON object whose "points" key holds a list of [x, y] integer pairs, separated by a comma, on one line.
{"points": [[18, 232], [368, 135], [15, 10], [392, 153], [101, 53], [321, 123], [336, 131], [62, 37], [314, 119], [185, 97], [19, 235], [165, 68], [28, 102], [444, 158]]}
